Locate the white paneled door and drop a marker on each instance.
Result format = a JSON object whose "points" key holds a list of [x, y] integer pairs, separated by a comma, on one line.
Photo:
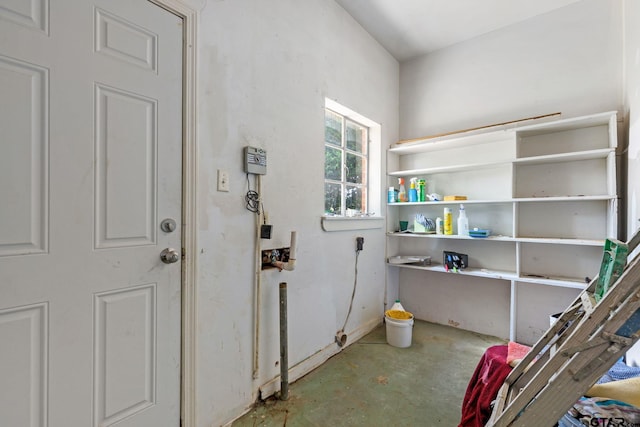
{"points": [[90, 167]]}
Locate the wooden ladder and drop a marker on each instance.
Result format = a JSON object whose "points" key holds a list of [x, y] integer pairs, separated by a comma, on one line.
{"points": [[581, 346]]}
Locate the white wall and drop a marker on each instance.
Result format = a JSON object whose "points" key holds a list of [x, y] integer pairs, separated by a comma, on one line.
{"points": [[568, 61], [632, 111], [265, 69], [564, 61], [632, 115]]}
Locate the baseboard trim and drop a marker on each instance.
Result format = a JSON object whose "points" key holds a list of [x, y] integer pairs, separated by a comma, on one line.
{"points": [[315, 360]]}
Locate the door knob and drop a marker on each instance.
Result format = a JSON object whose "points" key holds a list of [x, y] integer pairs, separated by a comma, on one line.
{"points": [[169, 256]]}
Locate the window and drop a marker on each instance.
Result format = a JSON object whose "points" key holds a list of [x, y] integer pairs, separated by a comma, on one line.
{"points": [[346, 151]]}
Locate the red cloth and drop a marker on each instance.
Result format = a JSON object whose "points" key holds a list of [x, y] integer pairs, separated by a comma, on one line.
{"points": [[483, 386]]}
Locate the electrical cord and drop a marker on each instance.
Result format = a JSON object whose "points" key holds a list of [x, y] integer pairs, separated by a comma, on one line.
{"points": [[353, 294], [252, 199]]}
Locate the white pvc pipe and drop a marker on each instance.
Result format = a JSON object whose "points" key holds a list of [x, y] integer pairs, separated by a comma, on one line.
{"points": [[258, 285], [293, 246], [291, 264]]}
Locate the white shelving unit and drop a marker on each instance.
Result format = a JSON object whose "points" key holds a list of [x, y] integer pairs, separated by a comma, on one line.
{"points": [[547, 191]]}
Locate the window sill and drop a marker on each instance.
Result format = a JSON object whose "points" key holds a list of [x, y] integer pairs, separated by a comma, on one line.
{"points": [[341, 223]]}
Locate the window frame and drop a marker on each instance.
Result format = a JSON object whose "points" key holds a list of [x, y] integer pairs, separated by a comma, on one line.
{"points": [[344, 182], [376, 175]]}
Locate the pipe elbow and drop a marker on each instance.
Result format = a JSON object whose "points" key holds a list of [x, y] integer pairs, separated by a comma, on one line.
{"points": [[289, 265]]}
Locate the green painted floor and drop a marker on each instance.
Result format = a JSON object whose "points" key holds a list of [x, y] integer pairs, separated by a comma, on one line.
{"points": [[371, 383]]}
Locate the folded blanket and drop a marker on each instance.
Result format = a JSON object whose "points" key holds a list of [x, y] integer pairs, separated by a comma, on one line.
{"points": [[627, 391], [620, 383]]}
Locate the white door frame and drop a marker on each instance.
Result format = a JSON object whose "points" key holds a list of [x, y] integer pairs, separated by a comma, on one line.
{"points": [[189, 211]]}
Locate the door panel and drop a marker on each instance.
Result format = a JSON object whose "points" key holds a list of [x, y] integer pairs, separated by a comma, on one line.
{"points": [[31, 14], [91, 114], [23, 167], [23, 403], [126, 41], [126, 181], [125, 384]]}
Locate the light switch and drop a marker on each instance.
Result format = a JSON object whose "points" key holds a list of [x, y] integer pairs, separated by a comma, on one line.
{"points": [[223, 180]]}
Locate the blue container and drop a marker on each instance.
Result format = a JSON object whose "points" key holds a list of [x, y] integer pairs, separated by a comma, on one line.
{"points": [[413, 195]]}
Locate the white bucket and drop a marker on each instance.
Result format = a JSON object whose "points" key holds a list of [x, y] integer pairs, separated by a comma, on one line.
{"points": [[399, 331]]}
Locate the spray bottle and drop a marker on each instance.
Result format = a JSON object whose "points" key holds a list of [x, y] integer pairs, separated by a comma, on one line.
{"points": [[463, 222], [402, 194], [413, 192]]}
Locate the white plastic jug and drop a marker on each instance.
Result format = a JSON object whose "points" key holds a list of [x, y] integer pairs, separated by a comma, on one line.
{"points": [[397, 306]]}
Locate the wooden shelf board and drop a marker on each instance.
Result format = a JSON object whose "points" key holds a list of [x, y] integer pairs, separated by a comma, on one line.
{"points": [[427, 144], [599, 119], [601, 153], [578, 198], [448, 169], [501, 275], [451, 202], [563, 282], [561, 241], [452, 236], [541, 240], [478, 272]]}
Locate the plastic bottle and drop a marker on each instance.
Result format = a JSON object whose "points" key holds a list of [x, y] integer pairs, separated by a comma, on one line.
{"points": [[422, 190], [391, 195], [448, 222], [397, 306], [463, 222], [413, 193], [439, 225], [402, 194]]}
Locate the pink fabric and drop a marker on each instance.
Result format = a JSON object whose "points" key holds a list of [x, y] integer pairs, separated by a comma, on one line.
{"points": [[517, 351], [483, 386]]}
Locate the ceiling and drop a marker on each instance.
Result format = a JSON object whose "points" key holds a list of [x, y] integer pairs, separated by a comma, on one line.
{"points": [[410, 28]]}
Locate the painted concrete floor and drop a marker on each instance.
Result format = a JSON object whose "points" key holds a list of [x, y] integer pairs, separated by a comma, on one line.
{"points": [[371, 383]]}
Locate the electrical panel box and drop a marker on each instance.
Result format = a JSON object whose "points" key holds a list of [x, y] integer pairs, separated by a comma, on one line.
{"points": [[255, 160]]}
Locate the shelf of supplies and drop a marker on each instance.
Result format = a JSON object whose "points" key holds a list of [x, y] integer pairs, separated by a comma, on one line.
{"points": [[548, 190]]}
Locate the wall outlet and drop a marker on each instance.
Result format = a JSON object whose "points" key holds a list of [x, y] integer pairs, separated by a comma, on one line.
{"points": [[223, 180]]}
